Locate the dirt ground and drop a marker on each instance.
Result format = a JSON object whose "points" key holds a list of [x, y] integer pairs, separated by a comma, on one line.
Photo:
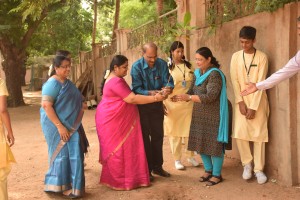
{"points": [[27, 176]]}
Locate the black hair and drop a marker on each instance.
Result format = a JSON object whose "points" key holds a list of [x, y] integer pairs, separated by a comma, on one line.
{"points": [[248, 32], [176, 45], [57, 60], [117, 60], [62, 53], [206, 53]]}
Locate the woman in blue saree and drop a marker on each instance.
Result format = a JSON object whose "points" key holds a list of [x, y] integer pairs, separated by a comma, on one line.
{"points": [[61, 115]]}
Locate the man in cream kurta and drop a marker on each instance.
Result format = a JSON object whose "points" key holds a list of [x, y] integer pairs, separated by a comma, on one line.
{"points": [[290, 69], [6, 156], [251, 112]]}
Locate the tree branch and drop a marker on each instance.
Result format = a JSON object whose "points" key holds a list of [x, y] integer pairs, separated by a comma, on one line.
{"points": [[32, 28]]}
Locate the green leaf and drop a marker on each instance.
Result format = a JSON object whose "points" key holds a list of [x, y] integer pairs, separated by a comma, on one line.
{"points": [[187, 18]]}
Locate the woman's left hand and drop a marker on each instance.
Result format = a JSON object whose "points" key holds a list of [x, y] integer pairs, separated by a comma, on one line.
{"points": [[64, 133], [181, 97], [11, 139]]}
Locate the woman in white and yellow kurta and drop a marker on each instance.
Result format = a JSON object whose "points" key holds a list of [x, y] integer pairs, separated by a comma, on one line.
{"points": [[6, 156], [179, 114], [252, 111]]}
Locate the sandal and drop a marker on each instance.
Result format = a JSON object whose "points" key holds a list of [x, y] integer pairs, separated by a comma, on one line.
{"points": [[206, 176], [69, 195], [212, 183]]}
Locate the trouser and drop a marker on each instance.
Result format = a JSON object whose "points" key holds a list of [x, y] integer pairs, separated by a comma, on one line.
{"points": [[3, 182], [213, 163], [176, 144], [152, 116], [258, 154]]}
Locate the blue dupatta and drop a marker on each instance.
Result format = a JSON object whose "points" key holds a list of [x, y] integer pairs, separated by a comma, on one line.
{"points": [[224, 115]]}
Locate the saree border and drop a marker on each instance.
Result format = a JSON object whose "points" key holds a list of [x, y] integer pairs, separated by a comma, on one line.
{"points": [[47, 98], [61, 143], [127, 188], [121, 143], [61, 188]]}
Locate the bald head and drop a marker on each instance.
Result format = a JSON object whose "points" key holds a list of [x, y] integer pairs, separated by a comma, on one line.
{"points": [[149, 45], [150, 53]]}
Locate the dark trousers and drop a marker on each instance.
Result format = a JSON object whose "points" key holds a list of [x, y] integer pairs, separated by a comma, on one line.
{"points": [[152, 117]]}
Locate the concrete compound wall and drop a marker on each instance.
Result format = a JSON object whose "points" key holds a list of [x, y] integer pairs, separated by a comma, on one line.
{"points": [[277, 37]]}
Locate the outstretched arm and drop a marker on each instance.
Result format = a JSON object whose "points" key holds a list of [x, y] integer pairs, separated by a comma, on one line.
{"points": [[250, 89], [291, 68]]}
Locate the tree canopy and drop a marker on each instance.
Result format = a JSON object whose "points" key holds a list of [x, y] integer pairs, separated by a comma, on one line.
{"points": [[133, 13], [35, 28]]}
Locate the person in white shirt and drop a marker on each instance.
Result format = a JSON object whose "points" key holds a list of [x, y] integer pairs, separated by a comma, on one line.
{"points": [[290, 69]]}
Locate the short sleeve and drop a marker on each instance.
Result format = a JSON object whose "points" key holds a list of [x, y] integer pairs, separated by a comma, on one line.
{"points": [[3, 88], [121, 88], [51, 90]]}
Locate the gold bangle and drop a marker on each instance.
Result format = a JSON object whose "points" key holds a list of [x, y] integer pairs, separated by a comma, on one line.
{"points": [[155, 99], [57, 124], [190, 97]]}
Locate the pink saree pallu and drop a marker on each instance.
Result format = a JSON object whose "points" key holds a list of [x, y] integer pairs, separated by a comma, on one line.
{"points": [[122, 154]]}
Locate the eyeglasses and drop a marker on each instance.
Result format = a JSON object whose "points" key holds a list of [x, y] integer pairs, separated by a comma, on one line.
{"points": [[66, 66], [153, 57]]}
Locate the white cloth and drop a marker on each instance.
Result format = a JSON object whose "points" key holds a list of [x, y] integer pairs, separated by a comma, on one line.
{"points": [[291, 68]]}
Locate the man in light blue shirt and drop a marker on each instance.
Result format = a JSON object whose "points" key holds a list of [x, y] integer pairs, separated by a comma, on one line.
{"points": [[150, 75]]}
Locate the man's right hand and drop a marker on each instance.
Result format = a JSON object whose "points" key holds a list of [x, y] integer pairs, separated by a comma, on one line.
{"points": [[243, 108], [153, 92], [251, 87]]}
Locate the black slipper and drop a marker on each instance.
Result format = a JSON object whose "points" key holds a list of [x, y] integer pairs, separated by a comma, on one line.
{"points": [[212, 183], [205, 178]]}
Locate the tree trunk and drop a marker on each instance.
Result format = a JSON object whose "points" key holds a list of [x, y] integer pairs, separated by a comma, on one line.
{"points": [[12, 65], [159, 6], [117, 14], [14, 54], [23, 74], [95, 23]]}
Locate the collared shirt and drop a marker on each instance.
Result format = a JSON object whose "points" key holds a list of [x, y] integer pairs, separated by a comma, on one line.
{"points": [[145, 78], [291, 68]]}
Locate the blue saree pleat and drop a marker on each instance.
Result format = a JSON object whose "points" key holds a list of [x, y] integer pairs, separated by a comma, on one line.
{"points": [[65, 159]]}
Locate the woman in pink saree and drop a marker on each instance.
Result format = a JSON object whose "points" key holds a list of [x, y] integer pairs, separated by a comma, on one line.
{"points": [[122, 154]]}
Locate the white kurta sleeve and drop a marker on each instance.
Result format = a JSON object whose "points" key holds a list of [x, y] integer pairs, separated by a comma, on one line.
{"points": [[291, 68]]}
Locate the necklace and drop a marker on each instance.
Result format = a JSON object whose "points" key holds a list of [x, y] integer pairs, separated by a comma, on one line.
{"points": [[248, 69], [183, 83]]}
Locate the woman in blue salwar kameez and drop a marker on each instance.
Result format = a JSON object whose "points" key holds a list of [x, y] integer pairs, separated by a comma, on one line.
{"points": [[61, 115]]}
